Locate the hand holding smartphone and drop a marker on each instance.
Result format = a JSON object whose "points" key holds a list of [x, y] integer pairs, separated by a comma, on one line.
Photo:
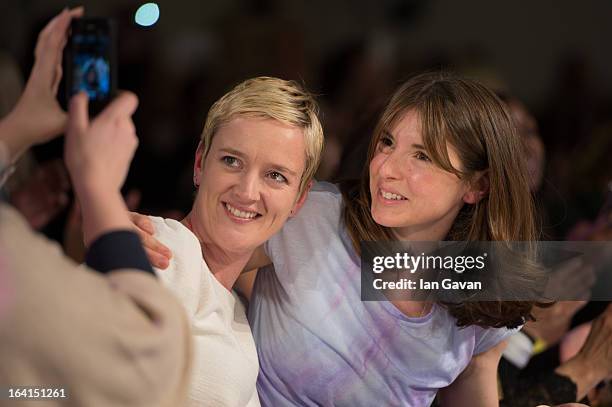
{"points": [[90, 61]]}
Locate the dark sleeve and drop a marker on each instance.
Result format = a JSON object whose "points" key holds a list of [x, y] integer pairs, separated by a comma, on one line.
{"points": [[118, 250]]}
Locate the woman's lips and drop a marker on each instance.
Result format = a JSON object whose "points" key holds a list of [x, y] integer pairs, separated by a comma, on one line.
{"points": [[390, 198], [238, 215]]}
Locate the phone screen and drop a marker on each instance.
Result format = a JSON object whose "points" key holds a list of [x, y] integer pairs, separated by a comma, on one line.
{"points": [[91, 64], [90, 61]]}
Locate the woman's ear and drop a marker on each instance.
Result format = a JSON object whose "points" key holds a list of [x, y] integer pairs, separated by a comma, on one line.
{"points": [[479, 188], [301, 199], [197, 165]]}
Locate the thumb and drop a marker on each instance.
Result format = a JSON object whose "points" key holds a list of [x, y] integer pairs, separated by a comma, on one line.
{"points": [[78, 114]]}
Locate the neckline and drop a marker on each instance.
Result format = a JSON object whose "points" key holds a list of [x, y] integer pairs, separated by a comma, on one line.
{"points": [[393, 310], [225, 289]]}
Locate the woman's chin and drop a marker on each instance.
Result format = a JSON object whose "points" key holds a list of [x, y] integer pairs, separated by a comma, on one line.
{"points": [[382, 219]]}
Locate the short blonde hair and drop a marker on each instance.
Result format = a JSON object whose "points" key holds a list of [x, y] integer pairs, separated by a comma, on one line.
{"points": [[285, 101]]}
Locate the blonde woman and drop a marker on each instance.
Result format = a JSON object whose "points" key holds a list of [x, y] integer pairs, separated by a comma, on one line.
{"points": [[260, 146]]}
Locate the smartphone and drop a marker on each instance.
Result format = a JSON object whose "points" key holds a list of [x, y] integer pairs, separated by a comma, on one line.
{"points": [[90, 61]]}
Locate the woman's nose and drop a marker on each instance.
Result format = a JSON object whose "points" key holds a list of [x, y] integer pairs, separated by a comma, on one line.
{"points": [[390, 167], [247, 189]]}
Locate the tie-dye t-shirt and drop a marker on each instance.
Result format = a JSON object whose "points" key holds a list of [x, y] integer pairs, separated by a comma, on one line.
{"points": [[320, 345]]}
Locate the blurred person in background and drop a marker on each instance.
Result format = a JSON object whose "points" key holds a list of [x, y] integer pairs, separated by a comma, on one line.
{"points": [[555, 381], [38, 191]]}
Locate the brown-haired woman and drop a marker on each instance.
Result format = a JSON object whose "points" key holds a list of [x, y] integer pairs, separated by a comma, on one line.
{"points": [[445, 163]]}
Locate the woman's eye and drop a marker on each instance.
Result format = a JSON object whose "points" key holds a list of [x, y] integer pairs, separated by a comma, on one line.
{"points": [[385, 143], [278, 177], [422, 156], [231, 161]]}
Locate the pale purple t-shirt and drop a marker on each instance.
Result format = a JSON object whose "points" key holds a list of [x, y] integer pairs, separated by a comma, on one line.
{"points": [[320, 345]]}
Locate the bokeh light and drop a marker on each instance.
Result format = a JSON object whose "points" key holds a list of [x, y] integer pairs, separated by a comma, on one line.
{"points": [[147, 14]]}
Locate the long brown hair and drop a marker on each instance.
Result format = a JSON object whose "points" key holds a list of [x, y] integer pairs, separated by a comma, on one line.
{"points": [[471, 118]]}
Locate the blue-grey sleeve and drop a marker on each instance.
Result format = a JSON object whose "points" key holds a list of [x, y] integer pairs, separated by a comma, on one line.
{"points": [[489, 337]]}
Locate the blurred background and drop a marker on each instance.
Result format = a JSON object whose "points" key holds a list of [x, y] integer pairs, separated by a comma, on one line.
{"points": [[550, 60]]}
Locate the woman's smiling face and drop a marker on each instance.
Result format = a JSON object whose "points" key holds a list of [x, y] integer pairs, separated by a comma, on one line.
{"points": [[248, 183], [410, 194]]}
